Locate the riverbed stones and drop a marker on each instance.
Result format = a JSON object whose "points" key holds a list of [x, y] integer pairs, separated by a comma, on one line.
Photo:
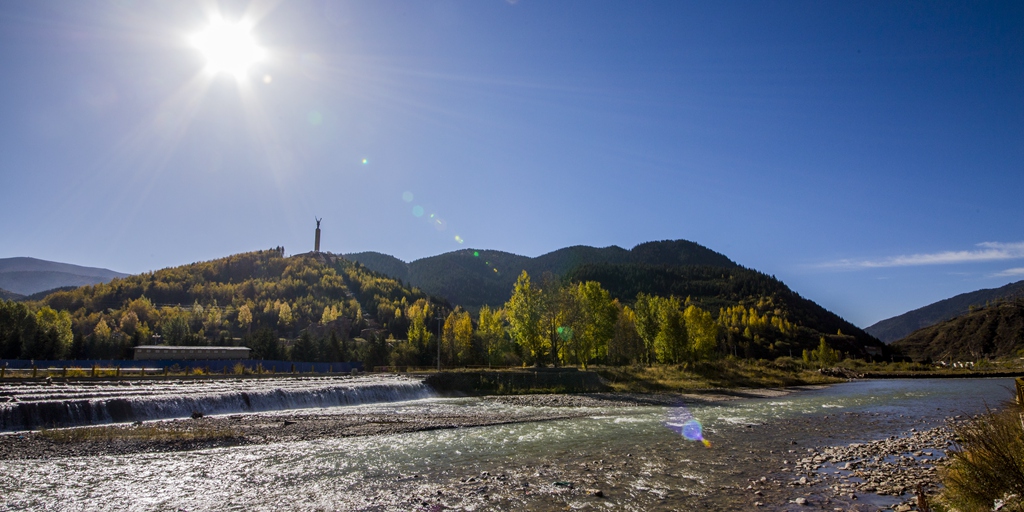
{"points": [[893, 466]]}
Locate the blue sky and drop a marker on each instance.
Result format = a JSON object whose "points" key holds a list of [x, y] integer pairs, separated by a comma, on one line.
{"points": [[869, 154]]}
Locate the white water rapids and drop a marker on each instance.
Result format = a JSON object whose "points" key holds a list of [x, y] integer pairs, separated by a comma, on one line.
{"points": [[40, 405]]}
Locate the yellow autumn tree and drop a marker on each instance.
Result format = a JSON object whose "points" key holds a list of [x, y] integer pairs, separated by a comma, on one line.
{"points": [[523, 310]]}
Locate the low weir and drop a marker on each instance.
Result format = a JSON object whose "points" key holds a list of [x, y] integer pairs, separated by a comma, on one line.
{"points": [[28, 406]]}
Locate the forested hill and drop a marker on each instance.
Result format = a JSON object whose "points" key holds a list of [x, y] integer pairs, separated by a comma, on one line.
{"points": [[695, 303], [680, 268], [472, 278], [993, 331], [211, 302], [6, 295], [892, 329], [721, 288]]}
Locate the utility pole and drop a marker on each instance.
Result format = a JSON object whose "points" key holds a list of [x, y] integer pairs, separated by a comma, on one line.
{"points": [[440, 317]]}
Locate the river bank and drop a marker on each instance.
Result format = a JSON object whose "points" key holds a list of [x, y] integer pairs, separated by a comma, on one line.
{"points": [[203, 432], [765, 449]]}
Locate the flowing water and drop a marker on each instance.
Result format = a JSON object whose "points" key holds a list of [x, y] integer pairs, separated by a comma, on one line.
{"points": [[635, 456], [34, 405]]}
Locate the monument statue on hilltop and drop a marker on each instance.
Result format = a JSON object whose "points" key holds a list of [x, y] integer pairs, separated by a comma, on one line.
{"points": [[316, 247]]}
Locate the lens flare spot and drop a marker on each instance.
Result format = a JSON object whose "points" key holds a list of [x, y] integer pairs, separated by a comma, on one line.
{"points": [[476, 254], [407, 196], [267, 79], [315, 118], [495, 271], [564, 332], [681, 421], [440, 224], [417, 211], [365, 161], [459, 239], [693, 431]]}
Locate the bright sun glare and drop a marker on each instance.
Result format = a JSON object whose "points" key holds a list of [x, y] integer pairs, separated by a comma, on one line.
{"points": [[228, 47]]}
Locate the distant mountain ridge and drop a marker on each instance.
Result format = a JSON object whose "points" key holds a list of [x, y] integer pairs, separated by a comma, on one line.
{"points": [[993, 331], [473, 278], [28, 276], [897, 327]]}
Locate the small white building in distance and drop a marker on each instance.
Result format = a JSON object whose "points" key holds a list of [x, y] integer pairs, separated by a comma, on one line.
{"points": [[149, 352]]}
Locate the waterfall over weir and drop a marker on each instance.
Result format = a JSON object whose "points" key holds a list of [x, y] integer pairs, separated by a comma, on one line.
{"points": [[26, 406]]}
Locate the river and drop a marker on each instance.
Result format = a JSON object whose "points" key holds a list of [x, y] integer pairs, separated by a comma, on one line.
{"points": [[637, 457]]}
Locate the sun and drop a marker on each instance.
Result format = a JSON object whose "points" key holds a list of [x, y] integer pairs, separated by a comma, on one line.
{"points": [[228, 47]]}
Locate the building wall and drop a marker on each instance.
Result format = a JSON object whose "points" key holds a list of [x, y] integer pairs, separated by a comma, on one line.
{"points": [[191, 353]]}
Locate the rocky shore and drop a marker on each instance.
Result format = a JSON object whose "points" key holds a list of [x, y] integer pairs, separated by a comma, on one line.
{"points": [[893, 467], [902, 467]]}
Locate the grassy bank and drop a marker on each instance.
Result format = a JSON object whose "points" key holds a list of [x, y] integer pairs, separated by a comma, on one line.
{"points": [[1010, 367], [986, 470], [723, 373], [525, 381], [726, 373]]}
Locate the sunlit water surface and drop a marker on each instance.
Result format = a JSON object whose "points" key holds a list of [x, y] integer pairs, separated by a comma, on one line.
{"points": [[629, 453]]}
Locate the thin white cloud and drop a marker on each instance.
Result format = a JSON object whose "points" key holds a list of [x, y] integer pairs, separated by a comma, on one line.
{"points": [[1010, 272], [986, 251]]}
